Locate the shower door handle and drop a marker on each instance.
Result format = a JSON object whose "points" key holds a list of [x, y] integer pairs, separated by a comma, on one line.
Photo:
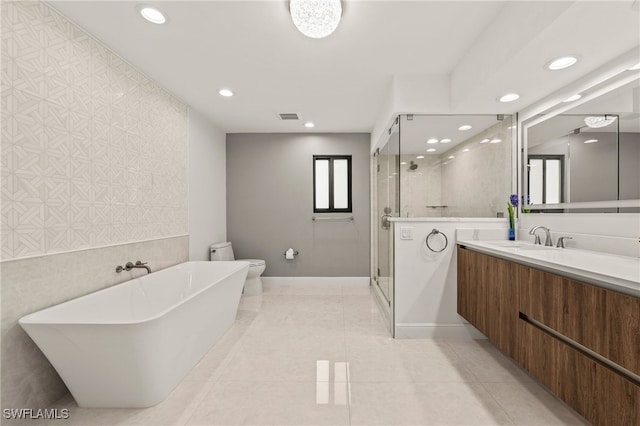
{"points": [[385, 221]]}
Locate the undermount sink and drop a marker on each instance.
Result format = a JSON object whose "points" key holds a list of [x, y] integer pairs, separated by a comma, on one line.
{"points": [[519, 245]]}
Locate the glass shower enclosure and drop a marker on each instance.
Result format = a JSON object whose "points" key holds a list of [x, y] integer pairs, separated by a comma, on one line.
{"points": [[387, 205]]}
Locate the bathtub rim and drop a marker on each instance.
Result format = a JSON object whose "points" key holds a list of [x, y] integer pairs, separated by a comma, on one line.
{"points": [[27, 320]]}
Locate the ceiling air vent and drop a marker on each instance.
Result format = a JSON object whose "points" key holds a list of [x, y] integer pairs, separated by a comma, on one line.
{"points": [[289, 116]]}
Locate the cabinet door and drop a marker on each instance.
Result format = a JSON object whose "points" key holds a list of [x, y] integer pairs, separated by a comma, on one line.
{"points": [[472, 291], [601, 395], [602, 320], [488, 297], [503, 304]]}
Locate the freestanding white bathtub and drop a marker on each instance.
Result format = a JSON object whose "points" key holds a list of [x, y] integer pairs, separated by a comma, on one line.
{"points": [[131, 344]]}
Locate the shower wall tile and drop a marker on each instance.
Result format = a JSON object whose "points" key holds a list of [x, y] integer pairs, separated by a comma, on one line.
{"points": [[477, 183], [93, 152]]}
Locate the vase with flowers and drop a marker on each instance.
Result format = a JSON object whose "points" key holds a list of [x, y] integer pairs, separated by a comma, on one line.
{"points": [[511, 206]]}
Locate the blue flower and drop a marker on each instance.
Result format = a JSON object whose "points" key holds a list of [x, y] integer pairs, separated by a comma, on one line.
{"points": [[514, 200]]}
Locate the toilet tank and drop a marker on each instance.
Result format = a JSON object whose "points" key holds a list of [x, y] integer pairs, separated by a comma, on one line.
{"points": [[221, 251]]}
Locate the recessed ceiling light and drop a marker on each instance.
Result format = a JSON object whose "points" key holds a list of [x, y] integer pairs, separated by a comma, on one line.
{"points": [[599, 121], [225, 92], [573, 98], [309, 125], [591, 141], [561, 63], [432, 140], [420, 157], [636, 67], [509, 97], [495, 140], [451, 157], [464, 127], [447, 140], [465, 150], [431, 150], [485, 140], [403, 162], [152, 15]]}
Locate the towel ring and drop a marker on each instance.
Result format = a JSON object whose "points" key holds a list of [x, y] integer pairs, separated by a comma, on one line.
{"points": [[436, 232]]}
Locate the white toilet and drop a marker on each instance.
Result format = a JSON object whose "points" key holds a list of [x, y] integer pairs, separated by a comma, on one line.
{"points": [[253, 284]]}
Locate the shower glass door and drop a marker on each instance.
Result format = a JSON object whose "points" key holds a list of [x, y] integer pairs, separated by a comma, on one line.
{"points": [[387, 206]]}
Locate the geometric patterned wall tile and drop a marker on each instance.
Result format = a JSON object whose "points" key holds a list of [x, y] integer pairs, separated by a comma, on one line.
{"points": [[93, 151]]}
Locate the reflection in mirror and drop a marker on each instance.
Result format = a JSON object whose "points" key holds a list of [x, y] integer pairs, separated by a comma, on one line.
{"points": [[591, 154]]}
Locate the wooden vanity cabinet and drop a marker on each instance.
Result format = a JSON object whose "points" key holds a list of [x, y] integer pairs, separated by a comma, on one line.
{"points": [[488, 297], [533, 316], [604, 321], [599, 394]]}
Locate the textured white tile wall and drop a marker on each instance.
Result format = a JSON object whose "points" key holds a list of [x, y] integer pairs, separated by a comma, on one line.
{"points": [[94, 160], [93, 152]]}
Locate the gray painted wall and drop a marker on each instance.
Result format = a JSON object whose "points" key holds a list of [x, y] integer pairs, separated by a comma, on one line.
{"points": [[270, 204]]}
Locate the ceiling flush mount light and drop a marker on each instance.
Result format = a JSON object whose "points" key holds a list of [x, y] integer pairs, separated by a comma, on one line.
{"points": [[431, 150], [573, 98], [561, 63], [403, 163], [509, 97], [636, 67], [591, 141], [495, 140], [451, 157], [309, 125], [152, 15], [225, 92], [316, 18], [445, 140], [420, 157], [432, 140], [485, 140], [464, 128], [599, 121], [465, 150]]}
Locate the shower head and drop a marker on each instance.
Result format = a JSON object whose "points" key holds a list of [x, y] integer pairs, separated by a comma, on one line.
{"points": [[413, 166]]}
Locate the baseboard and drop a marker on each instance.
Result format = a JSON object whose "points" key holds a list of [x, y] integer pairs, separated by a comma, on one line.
{"points": [[305, 281], [437, 331]]}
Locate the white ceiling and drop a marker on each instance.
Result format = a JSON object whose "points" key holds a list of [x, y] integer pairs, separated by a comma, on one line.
{"points": [[341, 82]]}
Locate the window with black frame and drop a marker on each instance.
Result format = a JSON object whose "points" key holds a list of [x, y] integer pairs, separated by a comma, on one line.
{"points": [[332, 184], [546, 179]]}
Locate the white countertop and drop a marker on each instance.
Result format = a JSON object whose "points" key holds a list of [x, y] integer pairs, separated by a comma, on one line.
{"points": [[614, 272]]}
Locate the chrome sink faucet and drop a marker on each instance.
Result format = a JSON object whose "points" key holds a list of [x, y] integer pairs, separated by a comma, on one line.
{"points": [[547, 241], [560, 243]]}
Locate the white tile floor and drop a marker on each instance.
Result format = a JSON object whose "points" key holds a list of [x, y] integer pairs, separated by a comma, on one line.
{"points": [[321, 355]]}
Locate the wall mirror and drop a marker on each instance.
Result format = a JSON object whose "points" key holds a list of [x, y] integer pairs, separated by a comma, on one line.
{"points": [[585, 158]]}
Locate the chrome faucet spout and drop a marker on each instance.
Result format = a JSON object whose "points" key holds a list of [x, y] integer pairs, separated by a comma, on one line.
{"points": [[129, 266], [547, 241]]}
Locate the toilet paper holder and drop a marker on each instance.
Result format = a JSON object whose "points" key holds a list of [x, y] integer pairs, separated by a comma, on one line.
{"points": [[295, 253]]}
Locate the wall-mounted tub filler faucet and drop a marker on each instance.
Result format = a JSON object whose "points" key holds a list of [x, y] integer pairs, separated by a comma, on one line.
{"points": [[560, 242], [547, 241], [129, 266]]}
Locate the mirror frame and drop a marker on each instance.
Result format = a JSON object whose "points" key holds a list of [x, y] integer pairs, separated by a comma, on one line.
{"points": [[616, 74]]}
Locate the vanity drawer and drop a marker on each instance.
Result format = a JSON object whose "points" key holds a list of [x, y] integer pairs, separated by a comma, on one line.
{"points": [[602, 320]]}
